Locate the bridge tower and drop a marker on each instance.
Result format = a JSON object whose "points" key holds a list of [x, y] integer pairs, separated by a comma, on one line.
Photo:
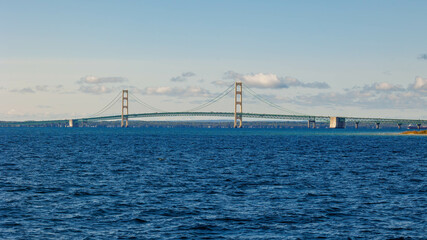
{"points": [[125, 108], [238, 111]]}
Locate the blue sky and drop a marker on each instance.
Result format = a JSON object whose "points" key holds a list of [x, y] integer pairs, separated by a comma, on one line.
{"points": [[63, 59]]}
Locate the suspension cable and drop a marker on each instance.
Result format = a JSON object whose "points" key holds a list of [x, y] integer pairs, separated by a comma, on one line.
{"points": [[214, 100], [145, 104], [271, 104], [108, 106]]}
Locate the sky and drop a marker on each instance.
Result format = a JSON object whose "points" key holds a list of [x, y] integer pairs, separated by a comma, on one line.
{"points": [[69, 59]]}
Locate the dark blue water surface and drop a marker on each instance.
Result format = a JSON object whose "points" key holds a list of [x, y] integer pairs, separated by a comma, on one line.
{"points": [[87, 183]]}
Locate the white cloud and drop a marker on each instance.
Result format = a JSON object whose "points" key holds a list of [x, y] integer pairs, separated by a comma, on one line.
{"points": [[175, 91], [269, 80], [158, 90], [261, 80], [366, 99], [221, 83], [383, 86], [420, 84], [381, 95], [95, 89], [96, 85], [100, 80]]}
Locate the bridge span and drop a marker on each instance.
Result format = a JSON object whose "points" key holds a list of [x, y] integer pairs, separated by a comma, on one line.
{"points": [[238, 114], [310, 119]]}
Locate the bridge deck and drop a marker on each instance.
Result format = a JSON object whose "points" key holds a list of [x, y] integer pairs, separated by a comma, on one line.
{"points": [[224, 114]]}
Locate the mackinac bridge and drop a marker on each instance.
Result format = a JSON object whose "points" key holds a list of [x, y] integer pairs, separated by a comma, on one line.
{"points": [[238, 115]]}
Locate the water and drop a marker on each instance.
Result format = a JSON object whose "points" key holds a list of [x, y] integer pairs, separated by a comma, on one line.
{"points": [[209, 183]]}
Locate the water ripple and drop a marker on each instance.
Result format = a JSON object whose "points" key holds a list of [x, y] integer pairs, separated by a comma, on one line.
{"points": [[210, 184]]}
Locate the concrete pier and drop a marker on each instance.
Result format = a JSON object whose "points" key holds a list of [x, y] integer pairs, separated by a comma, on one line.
{"points": [[399, 126], [71, 123], [356, 125], [377, 125], [419, 126], [336, 122]]}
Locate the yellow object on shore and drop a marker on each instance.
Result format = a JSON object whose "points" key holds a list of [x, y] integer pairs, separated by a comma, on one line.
{"points": [[424, 132]]}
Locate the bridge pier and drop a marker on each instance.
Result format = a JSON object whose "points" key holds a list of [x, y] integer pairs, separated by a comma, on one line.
{"points": [[356, 125], [377, 125], [311, 122], [336, 122], [419, 126], [399, 126], [71, 123]]}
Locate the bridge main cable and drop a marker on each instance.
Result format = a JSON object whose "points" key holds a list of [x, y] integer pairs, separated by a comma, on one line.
{"points": [[214, 100], [145, 104], [108, 106], [271, 104]]}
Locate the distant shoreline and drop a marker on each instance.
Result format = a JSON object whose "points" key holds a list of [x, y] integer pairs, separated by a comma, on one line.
{"points": [[424, 133]]}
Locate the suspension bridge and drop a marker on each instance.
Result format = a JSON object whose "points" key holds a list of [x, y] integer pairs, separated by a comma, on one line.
{"points": [[238, 115]]}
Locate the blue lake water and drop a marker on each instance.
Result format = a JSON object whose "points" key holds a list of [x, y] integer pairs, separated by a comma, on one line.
{"points": [[85, 183]]}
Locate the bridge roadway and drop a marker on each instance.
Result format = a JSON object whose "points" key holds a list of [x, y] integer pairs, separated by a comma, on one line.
{"points": [[224, 114]]}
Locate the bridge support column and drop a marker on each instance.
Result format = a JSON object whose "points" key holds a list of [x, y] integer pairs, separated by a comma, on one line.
{"points": [[419, 126], [238, 109], [336, 122], [377, 125], [125, 108], [311, 122], [71, 123], [399, 126], [356, 125]]}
